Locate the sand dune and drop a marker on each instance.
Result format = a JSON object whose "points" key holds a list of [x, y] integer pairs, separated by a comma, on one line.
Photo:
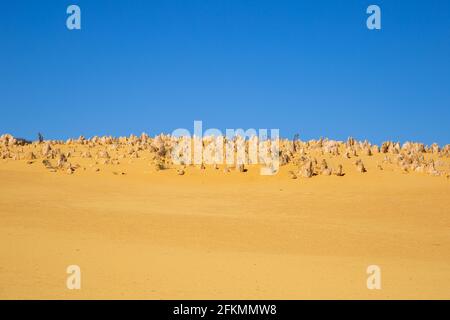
{"points": [[139, 229]]}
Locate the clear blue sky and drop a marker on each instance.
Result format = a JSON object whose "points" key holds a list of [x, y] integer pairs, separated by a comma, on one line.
{"points": [[310, 67]]}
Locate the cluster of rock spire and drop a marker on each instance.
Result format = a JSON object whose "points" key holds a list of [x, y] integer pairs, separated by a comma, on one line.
{"points": [[306, 157]]}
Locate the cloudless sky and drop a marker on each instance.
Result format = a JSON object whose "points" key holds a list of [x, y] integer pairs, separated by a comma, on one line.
{"points": [[309, 67]]}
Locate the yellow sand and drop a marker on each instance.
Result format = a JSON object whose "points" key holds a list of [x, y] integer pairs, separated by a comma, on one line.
{"points": [[212, 235]]}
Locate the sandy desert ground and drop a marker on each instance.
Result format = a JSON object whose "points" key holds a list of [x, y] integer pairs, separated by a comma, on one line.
{"points": [[138, 232]]}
